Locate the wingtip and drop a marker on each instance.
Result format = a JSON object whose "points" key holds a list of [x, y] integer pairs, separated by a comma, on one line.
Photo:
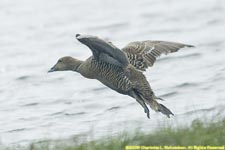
{"points": [[77, 35]]}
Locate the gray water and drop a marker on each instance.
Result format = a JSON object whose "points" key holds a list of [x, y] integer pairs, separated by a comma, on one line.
{"points": [[35, 105]]}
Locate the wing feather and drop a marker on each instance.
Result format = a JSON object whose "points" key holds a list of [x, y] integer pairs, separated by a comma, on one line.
{"points": [[103, 50], [146, 52]]}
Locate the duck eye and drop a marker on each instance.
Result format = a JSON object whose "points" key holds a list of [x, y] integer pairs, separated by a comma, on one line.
{"points": [[60, 61]]}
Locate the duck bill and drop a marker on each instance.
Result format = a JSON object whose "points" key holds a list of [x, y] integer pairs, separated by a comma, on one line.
{"points": [[52, 69]]}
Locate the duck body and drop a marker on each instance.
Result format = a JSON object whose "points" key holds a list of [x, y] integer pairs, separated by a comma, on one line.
{"points": [[121, 70], [122, 80]]}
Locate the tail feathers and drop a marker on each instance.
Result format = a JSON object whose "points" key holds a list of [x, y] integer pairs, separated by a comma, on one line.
{"points": [[160, 108]]}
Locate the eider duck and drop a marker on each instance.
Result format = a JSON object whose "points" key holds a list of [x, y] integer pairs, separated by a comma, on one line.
{"points": [[122, 69]]}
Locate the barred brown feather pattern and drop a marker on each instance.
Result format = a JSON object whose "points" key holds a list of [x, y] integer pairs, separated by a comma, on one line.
{"points": [[136, 61], [143, 54], [111, 75]]}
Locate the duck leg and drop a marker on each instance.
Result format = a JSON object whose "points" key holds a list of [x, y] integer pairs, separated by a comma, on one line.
{"points": [[141, 102]]}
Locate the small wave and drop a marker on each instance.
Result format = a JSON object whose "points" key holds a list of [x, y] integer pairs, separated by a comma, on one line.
{"points": [[31, 104], [113, 108], [63, 113], [23, 77], [99, 89], [74, 114], [17, 130], [168, 94], [57, 113], [198, 111], [218, 108], [187, 84]]}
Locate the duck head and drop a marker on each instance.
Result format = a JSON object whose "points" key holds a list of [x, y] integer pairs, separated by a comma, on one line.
{"points": [[66, 63]]}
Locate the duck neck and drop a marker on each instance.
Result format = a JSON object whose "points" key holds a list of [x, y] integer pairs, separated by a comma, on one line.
{"points": [[76, 65]]}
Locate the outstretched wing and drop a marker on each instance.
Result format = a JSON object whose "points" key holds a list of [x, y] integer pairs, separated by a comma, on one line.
{"points": [[103, 50], [143, 54]]}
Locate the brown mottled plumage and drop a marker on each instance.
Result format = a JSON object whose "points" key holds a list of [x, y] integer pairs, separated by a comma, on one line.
{"points": [[121, 70], [143, 54]]}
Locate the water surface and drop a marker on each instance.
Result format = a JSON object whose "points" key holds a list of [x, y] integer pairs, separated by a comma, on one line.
{"points": [[36, 105]]}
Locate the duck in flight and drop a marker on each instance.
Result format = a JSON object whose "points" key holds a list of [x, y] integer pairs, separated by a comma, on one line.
{"points": [[122, 69]]}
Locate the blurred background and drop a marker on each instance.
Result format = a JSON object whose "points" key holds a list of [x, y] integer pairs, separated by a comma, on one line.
{"points": [[35, 105]]}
